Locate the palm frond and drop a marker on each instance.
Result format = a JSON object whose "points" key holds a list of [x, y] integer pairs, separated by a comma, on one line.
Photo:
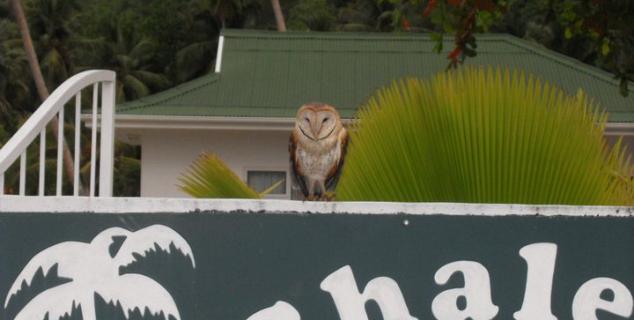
{"points": [[134, 88], [192, 58], [152, 79], [143, 50], [209, 177], [483, 135]]}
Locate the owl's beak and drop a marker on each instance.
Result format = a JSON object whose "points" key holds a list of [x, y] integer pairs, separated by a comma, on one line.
{"points": [[315, 128]]}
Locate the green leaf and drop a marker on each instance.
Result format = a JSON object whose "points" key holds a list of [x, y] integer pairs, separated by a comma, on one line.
{"points": [[210, 177], [605, 47], [438, 39], [152, 79], [135, 87], [483, 135], [568, 33]]}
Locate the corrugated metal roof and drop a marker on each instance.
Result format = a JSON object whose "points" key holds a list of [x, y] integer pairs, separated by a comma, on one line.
{"points": [[270, 74]]}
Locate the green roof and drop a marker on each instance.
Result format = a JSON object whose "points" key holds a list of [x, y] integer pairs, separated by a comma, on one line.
{"points": [[270, 74]]}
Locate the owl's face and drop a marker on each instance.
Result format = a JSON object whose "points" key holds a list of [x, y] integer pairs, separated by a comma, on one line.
{"points": [[317, 121]]}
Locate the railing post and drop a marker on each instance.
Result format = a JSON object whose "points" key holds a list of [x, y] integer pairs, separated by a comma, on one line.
{"points": [[106, 160], [54, 105]]}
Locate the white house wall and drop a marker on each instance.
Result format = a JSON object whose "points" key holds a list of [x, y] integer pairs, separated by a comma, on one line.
{"points": [[166, 154]]}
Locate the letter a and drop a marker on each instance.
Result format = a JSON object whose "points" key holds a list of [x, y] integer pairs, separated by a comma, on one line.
{"points": [[350, 302], [476, 291], [280, 311]]}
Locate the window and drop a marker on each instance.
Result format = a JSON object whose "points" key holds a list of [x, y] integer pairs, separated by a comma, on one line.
{"points": [[261, 180]]}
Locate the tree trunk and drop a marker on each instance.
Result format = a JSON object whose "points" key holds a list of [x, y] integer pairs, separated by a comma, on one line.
{"points": [[39, 82], [279, 16]]}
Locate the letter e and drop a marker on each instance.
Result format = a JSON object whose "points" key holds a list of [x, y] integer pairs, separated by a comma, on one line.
{"points": [[588, 299]]}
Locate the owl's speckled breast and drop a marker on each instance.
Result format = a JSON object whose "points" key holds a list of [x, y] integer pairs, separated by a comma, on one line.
{"points": [[316, 164]]}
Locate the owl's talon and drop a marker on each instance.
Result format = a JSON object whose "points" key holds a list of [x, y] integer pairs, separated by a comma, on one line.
{"points": [[328, 196]]}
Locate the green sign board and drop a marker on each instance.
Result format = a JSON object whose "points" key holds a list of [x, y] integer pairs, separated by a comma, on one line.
{"points": [[314, 267]]}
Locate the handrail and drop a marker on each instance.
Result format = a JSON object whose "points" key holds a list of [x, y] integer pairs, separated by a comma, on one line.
{"points": [[36, 125]]}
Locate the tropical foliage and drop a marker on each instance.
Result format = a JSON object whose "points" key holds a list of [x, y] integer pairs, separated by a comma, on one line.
{"points": [[159, 43], [210, 177], [599, 32], [483, 135]]}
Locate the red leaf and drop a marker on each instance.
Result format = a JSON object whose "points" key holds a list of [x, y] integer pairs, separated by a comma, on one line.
{"points": [[453, 55], [406, 24], [430, 7]]}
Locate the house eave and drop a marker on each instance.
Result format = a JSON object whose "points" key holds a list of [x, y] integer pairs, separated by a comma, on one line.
{"points": [[619, 129], [145, 122], [158, 122], [127, 122]]}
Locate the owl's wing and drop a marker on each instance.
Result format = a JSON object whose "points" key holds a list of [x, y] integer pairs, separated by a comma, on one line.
{"points": [[335, 171], [292, 150]]}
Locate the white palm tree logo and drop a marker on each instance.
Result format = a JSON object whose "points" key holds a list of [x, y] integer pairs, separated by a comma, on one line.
{"points": [[94, 271]]}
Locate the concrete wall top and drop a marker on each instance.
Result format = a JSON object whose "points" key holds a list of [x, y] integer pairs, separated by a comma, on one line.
{"points": [[173, 205]]}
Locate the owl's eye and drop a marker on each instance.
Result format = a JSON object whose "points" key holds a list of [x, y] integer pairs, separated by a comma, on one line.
{"points": [[325, 119], [306, 119]]}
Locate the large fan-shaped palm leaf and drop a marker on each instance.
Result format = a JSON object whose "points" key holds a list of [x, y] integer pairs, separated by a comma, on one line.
{"points": [[93, 270], [483, 135]]}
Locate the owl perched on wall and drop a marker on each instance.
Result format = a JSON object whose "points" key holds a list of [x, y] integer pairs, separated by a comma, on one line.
{"points": [[317, 148]]}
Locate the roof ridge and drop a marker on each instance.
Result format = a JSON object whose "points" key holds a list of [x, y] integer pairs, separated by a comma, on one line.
{"points": [[564, 60], [420, 36], [256, 33]]}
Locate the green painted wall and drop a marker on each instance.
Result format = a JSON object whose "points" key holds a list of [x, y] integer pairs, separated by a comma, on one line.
{"points": [[247, 262]]}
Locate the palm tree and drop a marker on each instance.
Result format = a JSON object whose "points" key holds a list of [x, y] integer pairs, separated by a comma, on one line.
{"points": [[15, 91], [314, 15], [131, 58], [49, 24], [93, 270], [279, 16], [36, 71], [227, 13]]}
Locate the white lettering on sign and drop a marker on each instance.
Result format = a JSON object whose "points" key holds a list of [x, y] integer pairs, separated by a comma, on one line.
{"points": [[540, 262], [350, 302], [588, 299], [280, 311], [476, 292]]}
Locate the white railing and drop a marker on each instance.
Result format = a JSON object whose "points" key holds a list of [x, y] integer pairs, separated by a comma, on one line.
{"points": [[36, 125]]}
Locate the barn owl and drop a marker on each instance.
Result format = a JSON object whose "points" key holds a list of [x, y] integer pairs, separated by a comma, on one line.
{"points": [[317, 148]]}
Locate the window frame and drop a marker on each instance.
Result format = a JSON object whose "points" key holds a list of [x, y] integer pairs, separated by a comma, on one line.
{"points": [[287, 187]]}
